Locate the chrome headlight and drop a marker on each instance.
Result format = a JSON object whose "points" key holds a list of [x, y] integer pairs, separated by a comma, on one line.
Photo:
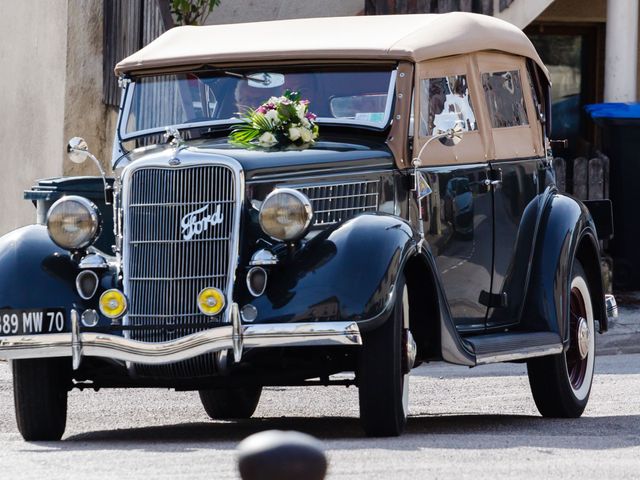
{"points": [[73, 222], [286, 214]]}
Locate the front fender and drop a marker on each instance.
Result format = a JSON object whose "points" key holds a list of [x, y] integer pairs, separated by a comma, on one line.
{"points": [[347, 272], [565, 228], [35, 272]]}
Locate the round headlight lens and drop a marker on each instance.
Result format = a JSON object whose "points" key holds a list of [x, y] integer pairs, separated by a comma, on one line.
{"points": [[73, 222], [286, 214]]}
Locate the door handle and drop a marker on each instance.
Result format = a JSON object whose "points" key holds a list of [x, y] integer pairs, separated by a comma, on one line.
{"points": [[492, 183], [494, 178]]}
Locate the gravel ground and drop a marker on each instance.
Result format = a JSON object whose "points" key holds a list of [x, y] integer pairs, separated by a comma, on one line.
{"points": [[464, 423]]}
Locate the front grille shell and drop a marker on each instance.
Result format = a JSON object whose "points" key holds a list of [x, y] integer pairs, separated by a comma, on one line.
{"points": [[162, 271]]}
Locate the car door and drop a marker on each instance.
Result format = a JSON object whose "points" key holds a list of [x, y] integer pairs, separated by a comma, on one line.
{"points": [[458, 214], [515, 174]]}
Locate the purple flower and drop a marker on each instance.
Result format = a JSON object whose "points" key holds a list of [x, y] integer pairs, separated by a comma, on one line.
{"points": [[261, 109], [311, 116]]}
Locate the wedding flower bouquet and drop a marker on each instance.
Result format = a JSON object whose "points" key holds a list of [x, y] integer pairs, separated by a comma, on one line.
{"points": [[278, 120]]}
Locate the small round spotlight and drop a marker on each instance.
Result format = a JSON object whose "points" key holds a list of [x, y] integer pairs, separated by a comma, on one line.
{"points": [[211, 301], [249, 313], [113, 303], [90, 318]]}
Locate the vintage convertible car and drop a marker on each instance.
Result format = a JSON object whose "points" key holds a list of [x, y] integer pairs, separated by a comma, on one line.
{"points": [[231, 266]]}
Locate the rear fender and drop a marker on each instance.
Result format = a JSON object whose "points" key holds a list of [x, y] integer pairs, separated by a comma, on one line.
{"points": [[566, 232]]}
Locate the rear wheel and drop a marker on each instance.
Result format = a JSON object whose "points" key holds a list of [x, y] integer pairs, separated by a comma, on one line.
{"points": [[382, 376], [40, 389], [232, 403], [561, 384]]}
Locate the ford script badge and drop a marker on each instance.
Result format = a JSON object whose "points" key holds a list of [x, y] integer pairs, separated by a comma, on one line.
{"points": [[192, 225]]}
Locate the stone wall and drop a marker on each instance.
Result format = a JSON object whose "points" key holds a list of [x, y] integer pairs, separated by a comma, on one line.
{"points": [[85, 115]]}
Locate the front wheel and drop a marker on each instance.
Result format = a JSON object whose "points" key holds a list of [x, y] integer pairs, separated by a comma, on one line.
{"points": [[231, 403], [40, 389], [561, 384], [382, 376]]}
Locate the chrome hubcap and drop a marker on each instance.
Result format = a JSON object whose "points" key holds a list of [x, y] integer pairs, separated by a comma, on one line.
{"points": [[410, 351], [583, 337]]}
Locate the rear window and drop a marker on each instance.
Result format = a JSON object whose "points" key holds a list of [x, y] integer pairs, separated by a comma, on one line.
{"points": [[505, 102]]}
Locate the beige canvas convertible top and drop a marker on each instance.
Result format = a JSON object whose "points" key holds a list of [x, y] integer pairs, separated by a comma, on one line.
{"points": [[383, 37]]}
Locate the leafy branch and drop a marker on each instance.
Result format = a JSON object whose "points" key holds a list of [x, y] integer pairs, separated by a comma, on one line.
{"points": [[192, 12]]}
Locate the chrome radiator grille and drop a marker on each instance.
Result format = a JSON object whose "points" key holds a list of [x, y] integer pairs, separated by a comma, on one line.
{"points": [[334, 202], [179, 238]]}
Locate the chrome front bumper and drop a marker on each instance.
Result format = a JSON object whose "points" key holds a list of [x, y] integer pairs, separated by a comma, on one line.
{"points": [[236, 337]]}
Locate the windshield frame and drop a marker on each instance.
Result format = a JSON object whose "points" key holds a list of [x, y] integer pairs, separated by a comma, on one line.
{"points": [[128, 95]]}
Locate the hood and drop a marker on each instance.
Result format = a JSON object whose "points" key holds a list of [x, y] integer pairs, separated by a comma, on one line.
{"points": [[328, 154]]}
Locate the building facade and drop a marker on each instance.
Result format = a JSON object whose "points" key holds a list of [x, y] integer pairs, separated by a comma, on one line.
{"points": [[60, 56]]}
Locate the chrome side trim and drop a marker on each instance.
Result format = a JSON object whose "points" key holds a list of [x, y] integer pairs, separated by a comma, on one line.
{"points": [[214, 340], [531, 352]]}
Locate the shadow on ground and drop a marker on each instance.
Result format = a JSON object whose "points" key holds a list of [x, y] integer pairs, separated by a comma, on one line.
{"points": [[443, 431]]}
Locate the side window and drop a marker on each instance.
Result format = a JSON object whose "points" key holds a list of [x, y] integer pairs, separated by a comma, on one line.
{"points": [[443, 100], [505, 102]]}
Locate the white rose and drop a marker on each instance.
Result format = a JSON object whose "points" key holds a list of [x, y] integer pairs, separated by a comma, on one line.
{"points": [[306, 135], [305, 122], [272, 116], [294, 133], [300, 110], [267, 139]]}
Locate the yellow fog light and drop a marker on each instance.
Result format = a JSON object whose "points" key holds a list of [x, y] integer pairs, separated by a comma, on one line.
{"points": [[211, 301], [113, 303]]}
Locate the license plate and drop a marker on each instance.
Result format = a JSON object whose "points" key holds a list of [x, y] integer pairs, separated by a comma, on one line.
{"points": [[31, 321]]}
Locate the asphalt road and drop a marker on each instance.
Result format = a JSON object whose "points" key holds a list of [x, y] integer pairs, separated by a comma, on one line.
{"points": [[479, 423]]}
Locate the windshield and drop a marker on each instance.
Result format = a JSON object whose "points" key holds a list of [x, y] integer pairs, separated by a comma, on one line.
{"points": [[361, 97]]}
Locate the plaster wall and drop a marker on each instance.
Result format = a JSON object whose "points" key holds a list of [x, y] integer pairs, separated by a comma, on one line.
{"points": [[233, 11], [33, 42]]}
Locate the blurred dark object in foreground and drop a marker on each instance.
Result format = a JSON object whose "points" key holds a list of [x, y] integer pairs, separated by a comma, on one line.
{"points": [[278, 455]]}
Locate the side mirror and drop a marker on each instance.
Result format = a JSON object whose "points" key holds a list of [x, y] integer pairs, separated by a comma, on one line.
{"points": [[452, 133], [448, 132], [78, 150]]}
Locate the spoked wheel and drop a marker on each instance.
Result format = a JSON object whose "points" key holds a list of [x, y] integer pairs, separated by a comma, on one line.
{"points": [[40, 389], [561, 384], [383, 373], [231, 403]]}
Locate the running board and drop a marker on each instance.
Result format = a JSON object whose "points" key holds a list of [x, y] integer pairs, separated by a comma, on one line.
{"points": [[505, 347]]}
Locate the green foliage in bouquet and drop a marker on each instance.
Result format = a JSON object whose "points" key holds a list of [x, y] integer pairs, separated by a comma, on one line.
{"points": [[279, 120]]}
